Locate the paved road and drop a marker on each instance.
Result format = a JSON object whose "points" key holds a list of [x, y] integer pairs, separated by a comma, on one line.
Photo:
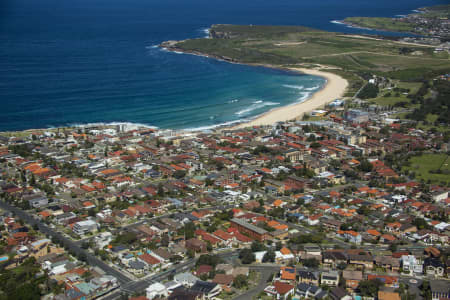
{"points": [[265, 274], [91, 259], [133, 287]]}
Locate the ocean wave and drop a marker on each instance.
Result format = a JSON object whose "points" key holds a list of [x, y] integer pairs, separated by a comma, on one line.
{"points": [[296, 87], [258, 101], [170, 51], [233, 101], [312, 88], [127, 124], [209, 127], [350, 26], [152, 47], [256, 105], [205, 31], [303, 97]]}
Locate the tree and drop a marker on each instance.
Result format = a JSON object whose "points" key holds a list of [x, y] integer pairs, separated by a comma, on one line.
{"points": [[178, 174], [82, 256], [420, 223], [246, 256], [364, 210], [257, 246], [160, 190], [269, 256], [191, 253], [240, 281], [277, 212], [393, 247], [369, 288], [189, 230], [278, 246], [33, 180], [165, 240], [126, 238], [369, 91], [307, 238], [210, 260], [315, 145], [365, 166], [175, 258], [311, 263]]}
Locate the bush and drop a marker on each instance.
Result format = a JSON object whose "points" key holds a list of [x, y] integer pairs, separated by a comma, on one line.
{"points": [[247, 256], [369, 91], [269, 256], [240, 281]]}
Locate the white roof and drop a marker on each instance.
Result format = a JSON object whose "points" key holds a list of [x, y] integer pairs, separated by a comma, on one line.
{"points": [[442, 225], [259, 255], [156, 287], [86, 223], [278, 254]]}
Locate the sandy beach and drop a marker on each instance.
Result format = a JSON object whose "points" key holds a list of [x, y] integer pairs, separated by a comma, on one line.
{"points": [[334, 89]]}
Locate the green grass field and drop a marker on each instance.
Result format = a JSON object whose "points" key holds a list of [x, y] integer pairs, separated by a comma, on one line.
{"points": [[412, 86], [282, 45], [389, 24], [401, 24], [385, 101], [422, 165]]}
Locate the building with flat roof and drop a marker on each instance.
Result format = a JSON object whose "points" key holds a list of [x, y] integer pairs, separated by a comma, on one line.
{"points": [[84, 227]]}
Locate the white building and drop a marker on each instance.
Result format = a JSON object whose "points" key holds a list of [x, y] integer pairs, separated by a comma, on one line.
{"points": [[103, 239], [156, 290], [411, 264], [399, 198], [186, 279], [84, 227]]}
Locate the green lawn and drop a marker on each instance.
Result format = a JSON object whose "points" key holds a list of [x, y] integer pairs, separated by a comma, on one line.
{"points": [[422, 165], [385, 101], [412, 86], [390, 24], [431, 118]]}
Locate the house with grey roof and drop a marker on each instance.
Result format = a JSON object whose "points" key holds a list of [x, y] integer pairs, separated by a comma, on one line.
{"points": [[186, 279]]}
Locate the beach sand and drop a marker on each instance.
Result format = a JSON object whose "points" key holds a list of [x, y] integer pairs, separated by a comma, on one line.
{"points": [[334, 89]]}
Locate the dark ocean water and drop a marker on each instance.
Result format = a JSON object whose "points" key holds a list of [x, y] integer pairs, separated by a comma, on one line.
{"points": [[85, 61]]}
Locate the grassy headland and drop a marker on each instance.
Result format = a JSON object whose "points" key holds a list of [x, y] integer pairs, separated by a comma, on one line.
{"points": [[388, 24], [427, 21], [347, 55]]}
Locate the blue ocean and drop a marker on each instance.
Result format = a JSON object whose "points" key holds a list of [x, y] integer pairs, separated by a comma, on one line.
{"points": [[66, 62]]}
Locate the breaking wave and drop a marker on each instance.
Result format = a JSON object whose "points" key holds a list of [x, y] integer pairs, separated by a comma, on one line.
{"points": [[256, 105]]}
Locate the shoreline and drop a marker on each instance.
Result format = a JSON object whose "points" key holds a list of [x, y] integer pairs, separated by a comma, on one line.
{"points": [[334, 88]]}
